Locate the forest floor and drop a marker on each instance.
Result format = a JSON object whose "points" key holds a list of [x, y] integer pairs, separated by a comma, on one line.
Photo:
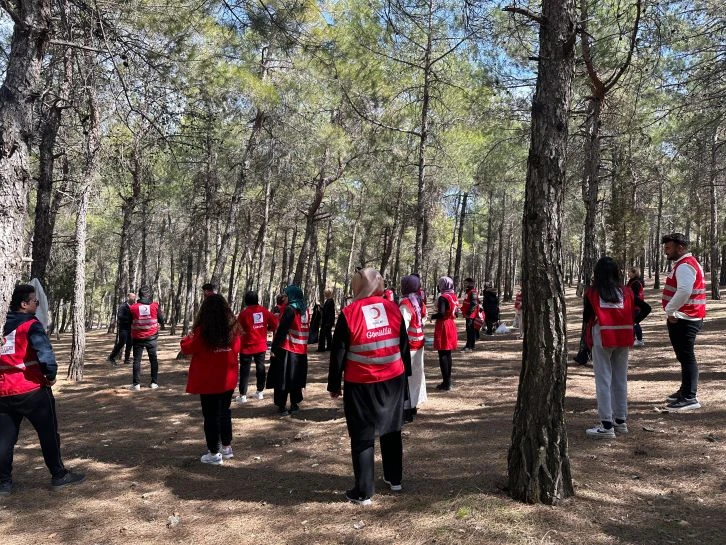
{"points": [[663, 483]]}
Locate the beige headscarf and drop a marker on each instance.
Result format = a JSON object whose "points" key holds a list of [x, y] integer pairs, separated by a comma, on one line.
{"points": [[365, 283]]}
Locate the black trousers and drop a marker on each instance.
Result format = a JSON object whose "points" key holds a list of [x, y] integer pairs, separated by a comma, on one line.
{"points": [[326, 338], [638, 332], [124, 339], [470, 333], [245, 363], [37, 406], [280, 396], [150, 346], [683, 337], [217, 419], [445, 365]]}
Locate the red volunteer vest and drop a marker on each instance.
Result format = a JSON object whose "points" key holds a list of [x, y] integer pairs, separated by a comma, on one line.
{"points": [[415, 329], [695, 307], [255, 320], [297, 336], [518, 301], [388, 295], [144, 320], [374, 354], [615, 319], [466, 306], [19, 369]]}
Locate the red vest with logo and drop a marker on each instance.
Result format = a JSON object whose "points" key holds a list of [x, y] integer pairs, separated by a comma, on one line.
{"points": [[255, 320], [695, 307], [374, 354], [297, 336], [615, 319], [445, 333], [415, 329], [144, 320], [19, 369], [467, 309]]}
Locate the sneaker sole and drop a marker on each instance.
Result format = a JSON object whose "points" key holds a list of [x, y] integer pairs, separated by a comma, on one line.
{"points": [[61, 486], [393, 487], [600, 435], [219, 463], [685, 409], [359, 502]]}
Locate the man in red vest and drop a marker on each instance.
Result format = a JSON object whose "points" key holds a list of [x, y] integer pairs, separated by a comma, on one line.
{"points": [[684, 302], [146, 317], [27, 372]]}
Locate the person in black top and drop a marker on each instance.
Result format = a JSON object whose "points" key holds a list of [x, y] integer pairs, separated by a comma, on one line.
{"points": [[123, 328], [326, 325], [635, 283], [491, 307]]}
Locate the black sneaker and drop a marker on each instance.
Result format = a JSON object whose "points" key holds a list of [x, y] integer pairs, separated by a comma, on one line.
{"points": [[684, 405], [6, 488], [294, 408], [111, 360], [68, 478], [282, 411], [354, 496], [674, 397]]}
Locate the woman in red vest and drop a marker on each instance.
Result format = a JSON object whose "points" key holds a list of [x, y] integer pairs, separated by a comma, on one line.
{"points": [[214, 344], [411, 310], [255, 321], [446, 337], [288, 371], [370, 352], [610, 312]]}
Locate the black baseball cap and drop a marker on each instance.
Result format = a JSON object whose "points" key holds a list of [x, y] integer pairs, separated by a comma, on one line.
{"points": [[678, 238]]}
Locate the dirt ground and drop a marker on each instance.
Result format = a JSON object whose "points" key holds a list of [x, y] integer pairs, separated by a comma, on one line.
{"points": [[663, 483]]}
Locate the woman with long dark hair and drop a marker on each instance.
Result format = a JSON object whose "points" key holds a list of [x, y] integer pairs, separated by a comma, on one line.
{"points": [[610, 312], [214, 345]]}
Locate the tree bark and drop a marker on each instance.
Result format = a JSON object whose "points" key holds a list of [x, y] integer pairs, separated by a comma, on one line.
{"points": [[713, 227], [460, 239], [18, 93], [538, 463]]}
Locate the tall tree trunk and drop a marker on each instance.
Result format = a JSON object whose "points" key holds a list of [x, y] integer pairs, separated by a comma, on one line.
{"points": [[713, 227], [19, 91], [658, 253], [422, 190], [91, 172], [500, 245], [538, 463], [460, 238], [45, 212], [490, 221], [326, 259]]}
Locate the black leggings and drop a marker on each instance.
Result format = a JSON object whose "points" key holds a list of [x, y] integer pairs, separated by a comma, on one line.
{"points": [[245, 363], [217, 419], [445, 364]]}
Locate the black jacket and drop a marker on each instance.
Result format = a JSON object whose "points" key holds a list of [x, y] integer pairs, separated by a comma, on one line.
{"points": [[328, 313], [37, 339]]}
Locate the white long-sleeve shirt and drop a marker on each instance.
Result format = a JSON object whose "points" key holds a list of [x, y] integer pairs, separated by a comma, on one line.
{"points": [[685, 278]]}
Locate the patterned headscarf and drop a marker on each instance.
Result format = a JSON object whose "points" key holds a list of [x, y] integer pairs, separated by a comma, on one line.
{"points": [[410, 286], [446, 285], [365, 283], [295, 298]]}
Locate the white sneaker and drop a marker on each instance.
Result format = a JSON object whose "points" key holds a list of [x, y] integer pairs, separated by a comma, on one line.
{"points": [[620, 428], [260, 395], [598, 432], [153, 385], [134, 387], [639, 344], [241, 399], [393, 487], [226, 452], [214, 459]]}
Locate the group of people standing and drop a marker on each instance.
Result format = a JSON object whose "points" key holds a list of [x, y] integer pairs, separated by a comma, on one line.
{"points": [[611, 316]]}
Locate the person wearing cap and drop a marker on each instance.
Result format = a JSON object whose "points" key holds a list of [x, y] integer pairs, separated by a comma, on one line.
{"points": [[684, 302]]}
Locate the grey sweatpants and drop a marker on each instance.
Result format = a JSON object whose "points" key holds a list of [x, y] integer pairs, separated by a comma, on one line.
{"points": [[611, 379]]}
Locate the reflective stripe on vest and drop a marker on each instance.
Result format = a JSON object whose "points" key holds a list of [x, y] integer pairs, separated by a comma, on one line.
{"points": [[614, 319], [695, 306], [415, 330], [296, 340]]}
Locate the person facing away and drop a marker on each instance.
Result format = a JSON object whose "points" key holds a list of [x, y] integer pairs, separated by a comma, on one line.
{"points": [[280, 304], [208, 289], [445, 334], [370, 354], [491, 307], [609, 312], [214, 344], [255, 321], [288, 371], [470, 310], [635, 283], [123, 328], [684, 303], [27, 374], [146, 318], [328, 320]]}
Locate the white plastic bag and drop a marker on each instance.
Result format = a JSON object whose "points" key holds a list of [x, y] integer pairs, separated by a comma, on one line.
{"points": [[502, 329]]}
